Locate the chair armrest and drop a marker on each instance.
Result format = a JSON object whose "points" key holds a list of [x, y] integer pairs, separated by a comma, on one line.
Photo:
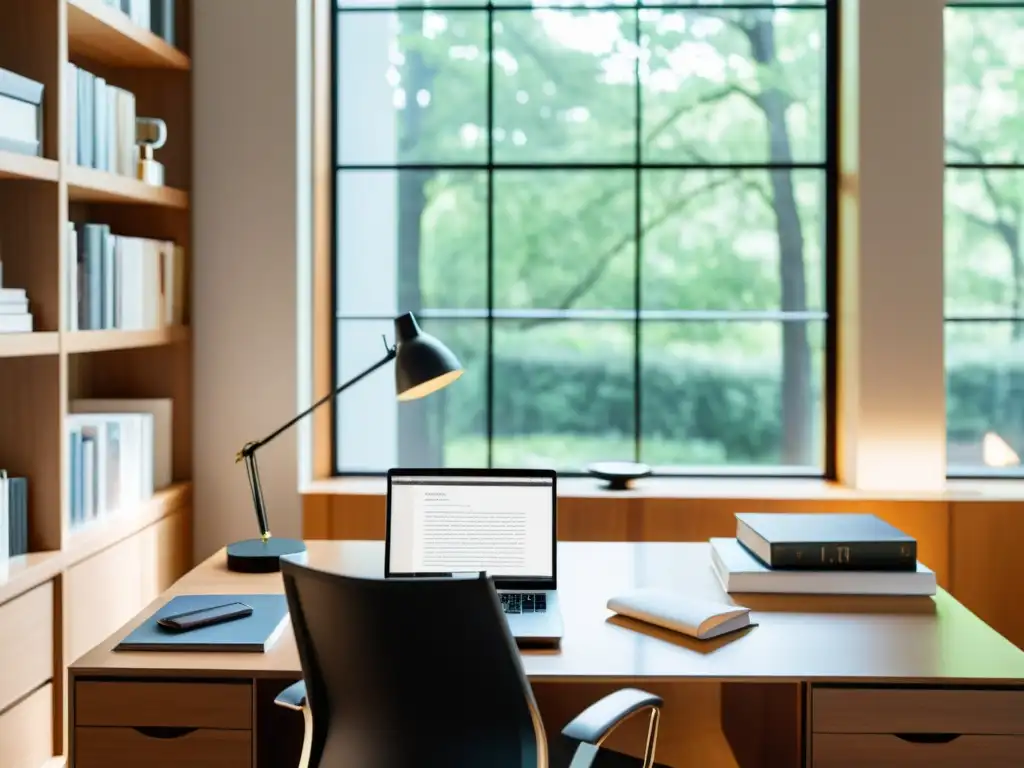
{"points": [[594, 723], [293, 697]]}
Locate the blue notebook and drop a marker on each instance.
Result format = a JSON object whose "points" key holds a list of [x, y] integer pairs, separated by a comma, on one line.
{"points": [[255, 633]]}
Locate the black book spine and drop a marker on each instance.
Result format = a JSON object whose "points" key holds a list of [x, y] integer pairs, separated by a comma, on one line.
{"points": [[854, 556]]}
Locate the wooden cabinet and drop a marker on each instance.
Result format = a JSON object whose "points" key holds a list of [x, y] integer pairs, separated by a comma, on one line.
{"points": [[226, 705], [26, 644], [157, 724], [916, 726], [108, 589], [134, 747], [26, 731]]}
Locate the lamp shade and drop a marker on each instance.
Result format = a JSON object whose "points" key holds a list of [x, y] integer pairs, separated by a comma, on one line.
{"points": [[422, 363]]}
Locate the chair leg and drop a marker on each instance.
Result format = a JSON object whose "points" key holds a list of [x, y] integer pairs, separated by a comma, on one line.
{"points": [[307, 736], [652, 738]]}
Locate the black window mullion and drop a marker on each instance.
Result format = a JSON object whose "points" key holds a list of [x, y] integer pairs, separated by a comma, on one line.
{"points": [[637, 247], [489, 385]]}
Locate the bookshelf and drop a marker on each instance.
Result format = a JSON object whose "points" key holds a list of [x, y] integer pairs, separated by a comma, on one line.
{"points": [[79, 583]]}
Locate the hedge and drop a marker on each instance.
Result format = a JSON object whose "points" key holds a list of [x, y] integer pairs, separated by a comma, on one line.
{"points": [[734, 404]]}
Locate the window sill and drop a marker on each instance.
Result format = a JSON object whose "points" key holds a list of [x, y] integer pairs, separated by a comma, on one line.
{"points": [[718, 488]]}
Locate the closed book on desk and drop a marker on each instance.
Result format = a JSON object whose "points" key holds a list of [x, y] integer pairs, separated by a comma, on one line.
{"points": [[821, 542], [740, 571], [676, 611], [254, 634]]}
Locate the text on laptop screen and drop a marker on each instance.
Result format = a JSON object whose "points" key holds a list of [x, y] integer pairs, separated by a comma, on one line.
{"points": [[500, 525]]}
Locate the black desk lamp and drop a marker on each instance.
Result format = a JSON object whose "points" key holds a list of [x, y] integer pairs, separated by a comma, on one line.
{"points": [[422, 365]]}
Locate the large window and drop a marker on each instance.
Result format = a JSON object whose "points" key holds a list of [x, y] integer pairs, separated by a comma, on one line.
{"points": [[619, 217], [984, 264]]}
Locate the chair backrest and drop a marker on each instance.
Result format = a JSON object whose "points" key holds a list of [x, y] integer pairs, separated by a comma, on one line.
{"points": [[408, 673]]}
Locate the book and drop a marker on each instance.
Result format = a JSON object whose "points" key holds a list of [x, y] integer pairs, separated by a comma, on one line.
{"points": [[849, 542], [125, 283], [111, 463], [702, 619], [99, 123], [162, 411], [255, 633], [740, 571], [17, 504]]}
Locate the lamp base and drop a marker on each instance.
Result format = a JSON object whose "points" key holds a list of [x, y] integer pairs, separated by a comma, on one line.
{"points": [[259, 556]]}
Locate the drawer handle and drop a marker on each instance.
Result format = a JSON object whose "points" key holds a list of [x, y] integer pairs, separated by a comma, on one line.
{"points": [[163, 731], [927, 738]]}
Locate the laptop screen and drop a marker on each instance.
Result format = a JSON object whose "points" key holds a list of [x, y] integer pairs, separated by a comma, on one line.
{"points": [[447, 524]]}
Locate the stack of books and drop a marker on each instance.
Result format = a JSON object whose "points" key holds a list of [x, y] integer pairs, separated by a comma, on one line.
{"points": [[155, 15], [124, 283], [13, 516], [99, 129], [834, 554], [14, 314], [120, 453]]}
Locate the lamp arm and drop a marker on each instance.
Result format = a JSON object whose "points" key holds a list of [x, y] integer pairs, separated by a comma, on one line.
{"points": [[248, 452]]}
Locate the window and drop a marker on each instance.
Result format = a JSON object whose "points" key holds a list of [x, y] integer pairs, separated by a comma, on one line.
{"points": [[984, 261], [619, 217]]}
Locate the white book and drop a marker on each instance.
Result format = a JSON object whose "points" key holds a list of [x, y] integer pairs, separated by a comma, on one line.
{"points": [[159, 450], [13, 307], [675, 611], [740, 571], [16, 323]]}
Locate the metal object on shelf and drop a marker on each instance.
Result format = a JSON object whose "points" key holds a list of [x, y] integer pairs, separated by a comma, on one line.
{"points": [[150, 135]]}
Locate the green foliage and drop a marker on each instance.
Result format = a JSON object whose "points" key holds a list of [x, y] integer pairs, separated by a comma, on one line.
{"points": [[717, 86]]}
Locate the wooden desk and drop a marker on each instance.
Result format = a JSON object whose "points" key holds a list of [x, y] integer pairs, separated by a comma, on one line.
{"points": [[821, 681]]}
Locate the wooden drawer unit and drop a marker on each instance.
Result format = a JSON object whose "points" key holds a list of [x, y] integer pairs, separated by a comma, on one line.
{"points": [[918, 710], [910, 727], [877, 750], [162, 748], [26, 643], [26, 731], [226, 706]]}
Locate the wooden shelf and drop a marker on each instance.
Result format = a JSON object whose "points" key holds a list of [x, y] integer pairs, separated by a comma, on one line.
{"points": [[17, 166], [99, 341], [87, 185], [107, 35], [86, 541], [29, 344], [22, 573]]}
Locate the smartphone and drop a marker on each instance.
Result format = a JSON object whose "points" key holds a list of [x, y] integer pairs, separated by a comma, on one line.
{"points": [[204, 617]]}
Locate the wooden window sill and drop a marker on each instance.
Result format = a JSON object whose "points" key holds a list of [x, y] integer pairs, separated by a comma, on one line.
{"points": [[719, 488]]}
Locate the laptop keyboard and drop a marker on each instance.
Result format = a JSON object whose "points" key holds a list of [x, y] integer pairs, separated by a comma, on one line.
{"points": [[523, 602]]}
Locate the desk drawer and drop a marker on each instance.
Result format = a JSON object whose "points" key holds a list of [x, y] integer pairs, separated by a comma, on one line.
{"points": [[174, 705], [26, 643], [162, 748], [856, 750], [917, 710]]}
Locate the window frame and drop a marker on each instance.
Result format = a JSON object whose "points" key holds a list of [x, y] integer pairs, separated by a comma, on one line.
{"points": [[829, 167], [953, 319]]}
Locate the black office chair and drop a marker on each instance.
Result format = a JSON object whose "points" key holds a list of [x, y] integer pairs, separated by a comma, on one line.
{"points": [[424, 673]]}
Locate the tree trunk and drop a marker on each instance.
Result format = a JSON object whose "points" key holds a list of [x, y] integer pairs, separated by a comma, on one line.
{"points": [[797, 413], [418, 444]]}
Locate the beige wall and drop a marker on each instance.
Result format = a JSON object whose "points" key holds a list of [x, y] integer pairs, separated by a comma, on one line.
{"points": [[248, 237]]}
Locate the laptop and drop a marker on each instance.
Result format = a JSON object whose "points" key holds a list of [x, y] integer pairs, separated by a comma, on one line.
{"points": [[447, 522]]}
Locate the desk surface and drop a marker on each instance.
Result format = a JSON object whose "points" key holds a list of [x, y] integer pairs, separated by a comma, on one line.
{"points": [[798, 638]]}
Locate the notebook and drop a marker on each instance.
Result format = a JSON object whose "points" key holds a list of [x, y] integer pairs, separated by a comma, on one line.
{"points": [[253, 634], [702, 619]]}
